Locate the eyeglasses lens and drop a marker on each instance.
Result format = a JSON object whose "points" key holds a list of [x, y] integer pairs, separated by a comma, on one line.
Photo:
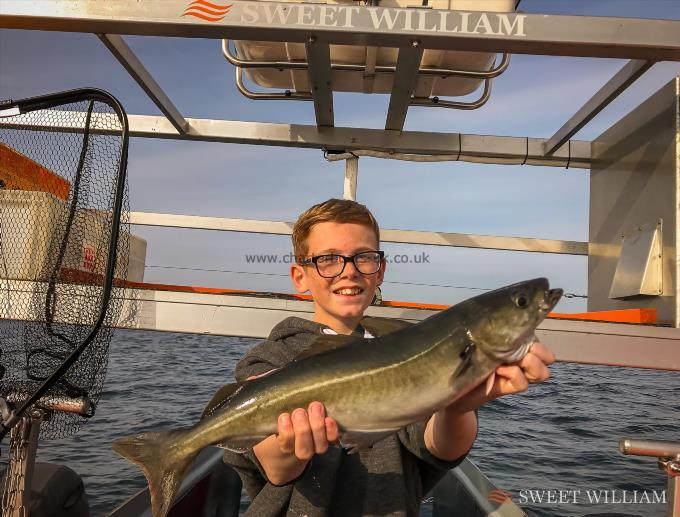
{"points": [[366, 263]]}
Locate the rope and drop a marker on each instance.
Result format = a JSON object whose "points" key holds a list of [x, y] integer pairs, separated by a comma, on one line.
{"points": [[527, 153], [393, 156], [419, 284], [569, 157]]}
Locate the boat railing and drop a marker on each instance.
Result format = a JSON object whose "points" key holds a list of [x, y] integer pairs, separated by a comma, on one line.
{"points": [[668, 459]]}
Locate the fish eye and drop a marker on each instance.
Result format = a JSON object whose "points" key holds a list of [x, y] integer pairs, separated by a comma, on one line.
{"points": [[521, 300]]}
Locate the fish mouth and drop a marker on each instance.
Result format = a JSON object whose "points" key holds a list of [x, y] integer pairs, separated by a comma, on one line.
{"points": [[550, 299]]}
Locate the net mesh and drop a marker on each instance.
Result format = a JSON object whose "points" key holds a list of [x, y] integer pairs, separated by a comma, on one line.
{"points": [[58, 181]]}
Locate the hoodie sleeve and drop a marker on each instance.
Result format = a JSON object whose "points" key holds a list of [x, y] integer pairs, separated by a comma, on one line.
{"points": [[431, 468]]}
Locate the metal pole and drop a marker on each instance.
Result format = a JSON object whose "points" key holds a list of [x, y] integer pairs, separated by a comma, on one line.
{"points": [[126, 57], [33, 424], [351, 176], [605, 95], [19, 475], [672, 469]]}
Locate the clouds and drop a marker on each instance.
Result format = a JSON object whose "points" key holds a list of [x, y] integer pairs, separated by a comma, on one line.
{"points": [[533, 98]]}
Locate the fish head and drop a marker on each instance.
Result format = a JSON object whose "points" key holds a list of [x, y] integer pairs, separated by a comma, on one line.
{"points": [[501, 323]]}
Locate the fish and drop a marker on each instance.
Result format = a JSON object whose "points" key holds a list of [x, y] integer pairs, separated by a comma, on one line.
{"points": [[371, 387]]}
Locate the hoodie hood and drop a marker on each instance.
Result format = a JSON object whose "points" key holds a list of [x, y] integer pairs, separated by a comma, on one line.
{"points": [[286, 341], [292, 327]]}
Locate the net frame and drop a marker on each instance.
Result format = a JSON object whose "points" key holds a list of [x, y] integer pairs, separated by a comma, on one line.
{"points": [[45, 102]]}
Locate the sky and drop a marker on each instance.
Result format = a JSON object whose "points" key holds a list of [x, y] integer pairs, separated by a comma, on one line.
{"points": [[534, 97]]}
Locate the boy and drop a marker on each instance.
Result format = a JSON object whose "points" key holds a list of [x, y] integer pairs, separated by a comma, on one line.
{"points": [[296, 472]]}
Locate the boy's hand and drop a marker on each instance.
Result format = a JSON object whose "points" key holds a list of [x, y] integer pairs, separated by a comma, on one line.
{"points": [[510, 378], [306, 432], [451, 431], [516, 377], [301, 434]]}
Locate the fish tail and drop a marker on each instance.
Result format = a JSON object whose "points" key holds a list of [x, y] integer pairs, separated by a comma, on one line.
{"points": [[163, 464]]}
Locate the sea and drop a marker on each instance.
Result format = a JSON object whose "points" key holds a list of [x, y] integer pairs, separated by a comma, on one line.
{"points": [[554, 448]]}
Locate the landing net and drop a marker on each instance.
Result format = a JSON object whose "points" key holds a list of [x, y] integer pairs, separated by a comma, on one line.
{"points": [[64, 247]]}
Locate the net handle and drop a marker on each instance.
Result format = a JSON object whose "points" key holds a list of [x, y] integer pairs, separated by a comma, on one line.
{"points": [[50, 101]]}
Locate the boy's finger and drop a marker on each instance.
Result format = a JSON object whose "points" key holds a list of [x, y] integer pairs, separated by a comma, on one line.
{"points": [[332, 433], [286, 435], [511, 379], [304, 443], [317, 415], [534, 368], [542, 352]]}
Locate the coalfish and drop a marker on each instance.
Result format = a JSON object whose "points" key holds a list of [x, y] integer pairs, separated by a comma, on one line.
{"points": [[372, 388]]}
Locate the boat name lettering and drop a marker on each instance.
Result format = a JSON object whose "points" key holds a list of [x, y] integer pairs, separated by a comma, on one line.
{"points": [[591, 496], [353, 17]]}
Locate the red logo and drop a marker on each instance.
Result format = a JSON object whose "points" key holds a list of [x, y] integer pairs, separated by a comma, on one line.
{"points": [[499, 496], [88, 258], [207, 11]]}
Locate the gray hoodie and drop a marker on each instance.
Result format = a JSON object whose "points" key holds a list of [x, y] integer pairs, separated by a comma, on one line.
{"points": [[390, 478]]}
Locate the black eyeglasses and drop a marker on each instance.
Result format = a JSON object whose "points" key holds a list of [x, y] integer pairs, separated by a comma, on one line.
{"points": [[332, 265]]}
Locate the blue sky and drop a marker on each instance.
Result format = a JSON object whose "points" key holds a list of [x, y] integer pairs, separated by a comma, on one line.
{"points": [[533, 98]]}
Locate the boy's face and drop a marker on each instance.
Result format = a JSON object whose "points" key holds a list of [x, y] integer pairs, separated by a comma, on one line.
{"points": [[335, 306]]}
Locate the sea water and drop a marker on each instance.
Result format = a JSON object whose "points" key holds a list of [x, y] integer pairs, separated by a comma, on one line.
{"points": [[553, 448]]}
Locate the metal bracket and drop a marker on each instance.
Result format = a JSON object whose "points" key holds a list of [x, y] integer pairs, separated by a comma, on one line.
{"points": [[671, 466], [403, 85], [319, 72], [639, 269]]}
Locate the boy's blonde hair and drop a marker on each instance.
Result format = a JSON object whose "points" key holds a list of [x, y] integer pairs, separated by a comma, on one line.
{"points": [[333, 210]]}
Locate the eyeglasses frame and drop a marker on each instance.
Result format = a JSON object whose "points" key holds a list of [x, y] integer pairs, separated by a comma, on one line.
{"points": [[315, 258]]}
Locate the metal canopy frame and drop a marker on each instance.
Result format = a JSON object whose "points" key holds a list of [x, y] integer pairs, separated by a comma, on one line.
{"points": [[319, 25], [519, 33], [644, 41], [502, 150]]}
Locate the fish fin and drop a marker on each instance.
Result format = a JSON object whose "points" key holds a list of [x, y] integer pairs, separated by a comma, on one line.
{"points": [[163, 465], [326, 343], [465, 363], [220, 397], [356, 441], [383, 326], [489, 383]]}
